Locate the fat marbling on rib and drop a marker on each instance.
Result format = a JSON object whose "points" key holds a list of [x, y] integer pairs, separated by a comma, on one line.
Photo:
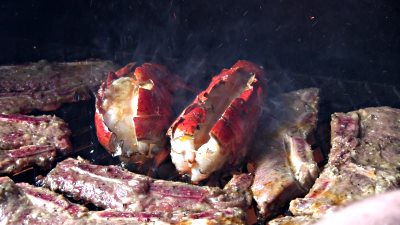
{"points": [[23, 203], [283, 159], [364, 161], [45, 86], [31, 140], [111, 187]]}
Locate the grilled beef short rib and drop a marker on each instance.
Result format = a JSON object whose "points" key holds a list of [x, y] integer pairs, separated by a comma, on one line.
{"points": [[31, 140], [23, 203], [364, 161], [45, 86], [52, 202], [111, 187], [284, 165], [16, 207], [33, 205]]}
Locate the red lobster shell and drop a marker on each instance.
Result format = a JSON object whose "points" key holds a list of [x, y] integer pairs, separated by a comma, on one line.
{"points": [[215, 129], [133, 111]]}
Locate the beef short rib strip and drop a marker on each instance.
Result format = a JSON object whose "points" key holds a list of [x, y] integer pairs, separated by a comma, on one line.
{"points": [[45, 86], [284, 164], [17, 208], [31, 140], [112, 187], [105, 186], [16, 160], [210, 217], [51, 202], [56, 204], [21, 130], [23, 203], [364, 161], [290, 220]]}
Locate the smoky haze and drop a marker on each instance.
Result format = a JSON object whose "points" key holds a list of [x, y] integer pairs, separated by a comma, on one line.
{"points": [[353, 39]]}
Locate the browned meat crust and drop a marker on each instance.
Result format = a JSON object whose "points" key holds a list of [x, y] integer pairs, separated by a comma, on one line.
{"points": [[284, 165], [45, 86], [31, 140], [364, 161], [111, 187], [17, 208], [25, 204]]}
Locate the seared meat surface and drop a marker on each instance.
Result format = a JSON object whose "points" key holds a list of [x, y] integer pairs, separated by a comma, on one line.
{"points": [[111, 187], [22, 203], [45, 86], [284, 165], [364, 161], [51, 202], [290, 220], [17, 208], [209, 217], [31, 140]]}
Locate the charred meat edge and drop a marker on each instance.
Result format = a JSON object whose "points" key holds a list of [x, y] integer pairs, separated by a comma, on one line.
{"points": [[23, 203], [111, 187], [363, 161], [31, 140], [283, 159], [46, 86]]}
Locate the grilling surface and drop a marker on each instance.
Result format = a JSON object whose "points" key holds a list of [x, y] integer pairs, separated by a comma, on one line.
{"points": [[336, 96]]}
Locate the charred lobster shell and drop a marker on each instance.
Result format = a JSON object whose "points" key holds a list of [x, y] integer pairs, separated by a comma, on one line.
{"points": [[214, 130], [133, 111]]}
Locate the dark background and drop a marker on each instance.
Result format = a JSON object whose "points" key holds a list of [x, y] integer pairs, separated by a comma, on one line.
{"points": [[356, 40]]}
